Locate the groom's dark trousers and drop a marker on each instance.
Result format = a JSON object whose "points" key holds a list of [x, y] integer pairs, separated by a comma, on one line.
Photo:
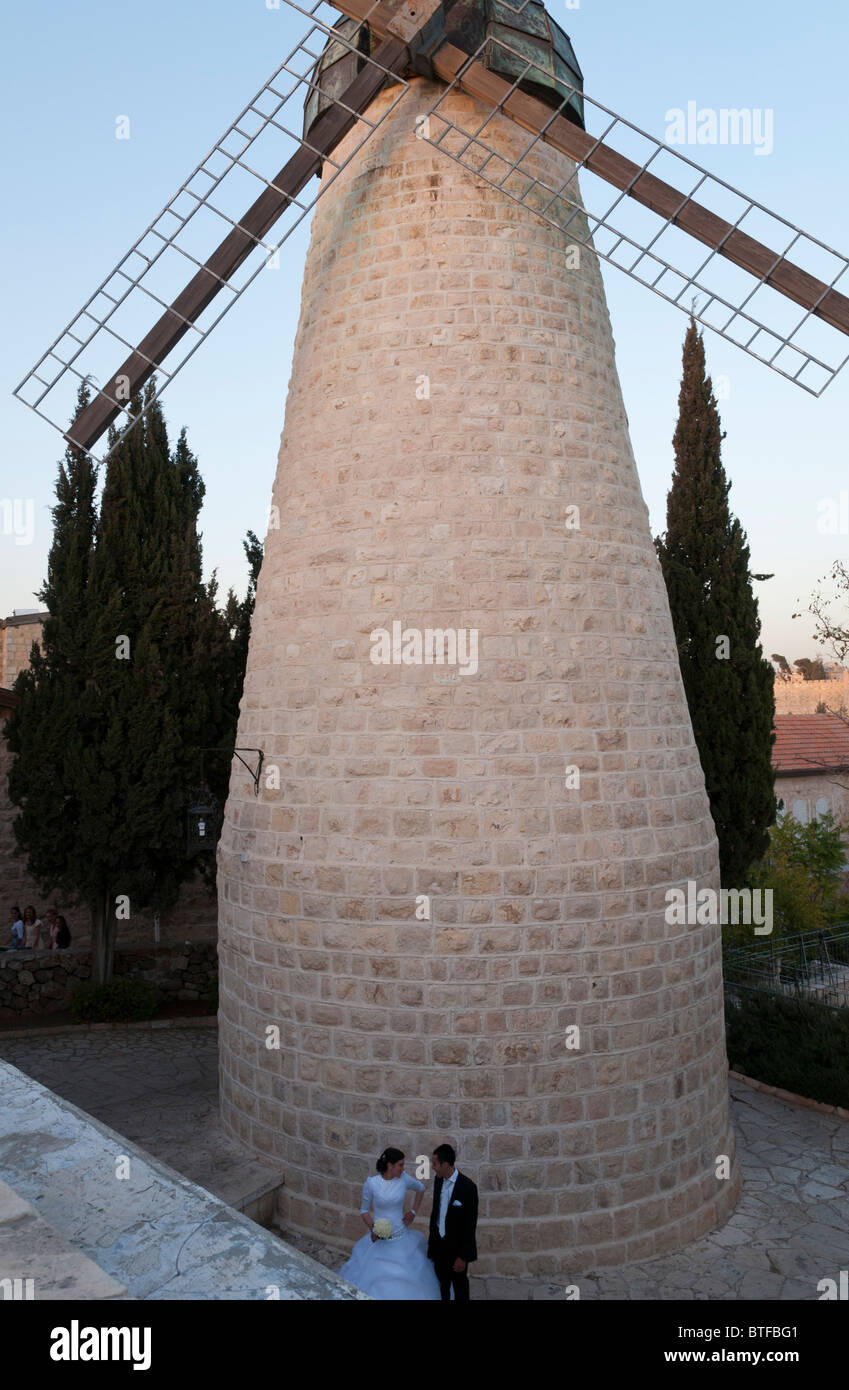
{"points": [[443, 1263], [459, 1240]]}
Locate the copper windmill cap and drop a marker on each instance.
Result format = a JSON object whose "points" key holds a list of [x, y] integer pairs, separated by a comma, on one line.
{"points": [[506, 38]]}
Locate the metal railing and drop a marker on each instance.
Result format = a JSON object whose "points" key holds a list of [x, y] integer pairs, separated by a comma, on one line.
{"points": [[812, 967]]}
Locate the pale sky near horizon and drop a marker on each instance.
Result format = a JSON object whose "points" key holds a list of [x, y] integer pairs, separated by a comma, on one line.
{"points": [[78, 197]]}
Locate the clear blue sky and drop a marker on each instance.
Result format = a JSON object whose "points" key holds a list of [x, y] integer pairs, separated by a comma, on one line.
{"points": [[78, 198]]}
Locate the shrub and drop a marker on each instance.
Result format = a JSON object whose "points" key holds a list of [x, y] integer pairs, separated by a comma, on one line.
{"points": [[804, 869], [122, 1000], [798, 1047]]}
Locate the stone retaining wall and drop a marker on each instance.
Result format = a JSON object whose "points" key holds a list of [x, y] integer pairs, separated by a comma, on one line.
{"points": [[42, 982]]}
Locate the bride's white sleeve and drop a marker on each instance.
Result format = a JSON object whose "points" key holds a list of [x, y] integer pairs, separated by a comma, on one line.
{"points": [[365, 1204], [412, 1184]]}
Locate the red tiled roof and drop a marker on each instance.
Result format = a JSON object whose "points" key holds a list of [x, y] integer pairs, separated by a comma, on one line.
{"points": [[812, 743]]}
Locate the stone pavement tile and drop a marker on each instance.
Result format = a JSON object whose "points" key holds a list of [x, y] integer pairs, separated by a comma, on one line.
{"points": [[713, 1287], [831, 1175], [795, 1263], [760, 1284], [818, 1189], [832, 1215], [783, 1173], [800, 1291], [730, 1235], [753, 1257], [754, 1173]]}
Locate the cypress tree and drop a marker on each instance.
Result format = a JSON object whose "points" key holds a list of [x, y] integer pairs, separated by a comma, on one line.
{"points": [[244, 611], [49, 730], [704, 556], [131, 677]]}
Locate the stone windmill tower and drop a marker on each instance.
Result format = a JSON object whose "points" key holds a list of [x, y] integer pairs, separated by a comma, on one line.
{"points": [[449, 903]]}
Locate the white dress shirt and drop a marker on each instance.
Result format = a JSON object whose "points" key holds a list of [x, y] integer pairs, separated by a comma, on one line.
{"points": [[444, 1199]]}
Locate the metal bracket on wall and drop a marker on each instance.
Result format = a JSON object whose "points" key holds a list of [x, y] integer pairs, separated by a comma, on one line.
{"points": [[256, 773]]}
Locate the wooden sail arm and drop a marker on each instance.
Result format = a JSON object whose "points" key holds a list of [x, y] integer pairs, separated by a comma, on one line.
{"points": [[329, 130], [645, 188]]}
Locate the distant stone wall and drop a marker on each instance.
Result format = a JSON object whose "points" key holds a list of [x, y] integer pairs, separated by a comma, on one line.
{"points": [[42, 982], [802, 697]]}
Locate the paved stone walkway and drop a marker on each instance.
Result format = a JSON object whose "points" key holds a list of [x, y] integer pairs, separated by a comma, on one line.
{"points": [[790, 1229]]}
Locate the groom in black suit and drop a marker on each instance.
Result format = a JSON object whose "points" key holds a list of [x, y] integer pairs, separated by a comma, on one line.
{"points": [[453, 1221]]}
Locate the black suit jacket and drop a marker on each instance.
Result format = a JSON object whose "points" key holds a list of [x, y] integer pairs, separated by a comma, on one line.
{"points": [[460, 1220]]}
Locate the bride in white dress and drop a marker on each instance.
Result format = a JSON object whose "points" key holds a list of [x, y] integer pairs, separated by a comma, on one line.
{"points": [[396, 1267]]}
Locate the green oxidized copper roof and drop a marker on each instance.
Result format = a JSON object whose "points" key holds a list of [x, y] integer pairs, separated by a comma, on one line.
{"points": [[515, 38]]}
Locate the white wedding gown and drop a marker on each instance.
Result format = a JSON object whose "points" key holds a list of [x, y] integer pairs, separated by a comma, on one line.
{"points": [[396, 1268]]}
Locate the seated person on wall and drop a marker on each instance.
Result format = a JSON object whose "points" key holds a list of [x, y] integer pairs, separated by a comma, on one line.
{"points": [[60, 936], [32, 930], [16, 929]]}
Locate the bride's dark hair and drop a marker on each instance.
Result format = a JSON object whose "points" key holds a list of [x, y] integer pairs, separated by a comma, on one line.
{"points": [[387, 1157]]}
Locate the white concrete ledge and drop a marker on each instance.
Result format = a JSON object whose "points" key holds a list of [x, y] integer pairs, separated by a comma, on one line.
{"points": [[38, 1263], [153, 1232]]}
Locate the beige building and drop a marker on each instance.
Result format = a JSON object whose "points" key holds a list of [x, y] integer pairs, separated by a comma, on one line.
{"points": [[811, 760], [17, 635]]}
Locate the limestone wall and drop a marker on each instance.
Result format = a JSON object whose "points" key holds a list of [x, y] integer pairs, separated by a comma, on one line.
{"points": [[803, 697], [41, 982], [430, 903]]}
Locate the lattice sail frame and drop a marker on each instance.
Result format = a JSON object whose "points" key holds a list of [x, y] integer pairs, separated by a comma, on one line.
{"points": [[124, 288], [727, 304]]}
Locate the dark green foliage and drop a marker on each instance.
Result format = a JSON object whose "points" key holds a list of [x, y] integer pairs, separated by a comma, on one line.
{"points": [[50, 730], [729, 685], [210, 997], [245, 610], [122, 1000], [136, 677], [798, 1047], [238, 616], [804, 867]]}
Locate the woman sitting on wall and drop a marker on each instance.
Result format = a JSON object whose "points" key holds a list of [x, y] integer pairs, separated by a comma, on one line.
{"points": [[32, 930]]}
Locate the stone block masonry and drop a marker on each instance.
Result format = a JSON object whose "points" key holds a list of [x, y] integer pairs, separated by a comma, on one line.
{"points": [[457, 937], [42, 982]]}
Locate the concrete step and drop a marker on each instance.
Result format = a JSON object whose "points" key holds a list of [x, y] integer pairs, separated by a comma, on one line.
{"points": [[36, 1262]]}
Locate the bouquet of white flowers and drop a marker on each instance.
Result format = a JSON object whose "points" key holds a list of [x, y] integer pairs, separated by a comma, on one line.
{"points": [[382, 1228]]}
